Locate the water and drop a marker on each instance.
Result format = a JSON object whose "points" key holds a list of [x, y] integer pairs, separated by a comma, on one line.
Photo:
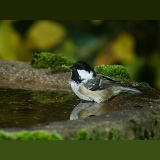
{"points": [[24, 108]]}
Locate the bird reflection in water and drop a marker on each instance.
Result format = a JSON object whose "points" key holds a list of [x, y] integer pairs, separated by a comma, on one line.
{"points": [[86, 109]]}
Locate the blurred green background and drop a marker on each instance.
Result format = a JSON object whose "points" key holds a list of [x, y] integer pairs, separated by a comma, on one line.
{"points": [[133, 44]]}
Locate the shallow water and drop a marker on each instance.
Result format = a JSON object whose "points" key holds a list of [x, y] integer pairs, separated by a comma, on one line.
{"points": [[24, 108]]}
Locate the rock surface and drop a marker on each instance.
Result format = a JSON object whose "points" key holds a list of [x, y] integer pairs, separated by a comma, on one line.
{"points": [[21, 75], [130, 116]]}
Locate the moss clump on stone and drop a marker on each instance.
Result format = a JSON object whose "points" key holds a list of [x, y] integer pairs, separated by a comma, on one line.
{"points": [[133, 120], [57, 63], [116, 72], [113, 135], [30, 135], [83, 135], [98, 135], [156, 122], [36, 135], [4, 136]]}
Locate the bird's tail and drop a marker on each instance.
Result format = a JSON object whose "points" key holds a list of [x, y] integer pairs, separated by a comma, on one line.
{"points": [[129, 90]]}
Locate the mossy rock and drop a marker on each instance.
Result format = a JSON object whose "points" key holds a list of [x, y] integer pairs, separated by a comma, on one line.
{"points": [[116, 72], [82, 134], [57, 62]]}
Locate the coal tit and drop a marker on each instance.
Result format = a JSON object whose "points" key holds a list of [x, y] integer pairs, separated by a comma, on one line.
{"points": [[90, 86]]}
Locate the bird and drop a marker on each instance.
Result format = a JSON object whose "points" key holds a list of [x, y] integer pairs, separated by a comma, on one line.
{"points": [[90, 86]]}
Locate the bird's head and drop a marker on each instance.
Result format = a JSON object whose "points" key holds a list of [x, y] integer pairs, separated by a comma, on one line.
{"points": [[82, 71]]}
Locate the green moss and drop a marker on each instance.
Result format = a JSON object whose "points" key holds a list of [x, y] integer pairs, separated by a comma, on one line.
{"points": [[144, 84], [156, 122], [30, 135], [145, 132], [116, 72], [24, 135], [113, 135], [46, 98], [83, 135], [133, 120], [4, 136], [137, 128], [36, 135], [98, 135], [57, 62]]}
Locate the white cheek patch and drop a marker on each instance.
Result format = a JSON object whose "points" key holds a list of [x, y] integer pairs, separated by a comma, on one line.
{"points": [[85, 75]]}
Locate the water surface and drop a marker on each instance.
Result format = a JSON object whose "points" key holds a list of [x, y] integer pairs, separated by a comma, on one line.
{"points": [[24, 108]]}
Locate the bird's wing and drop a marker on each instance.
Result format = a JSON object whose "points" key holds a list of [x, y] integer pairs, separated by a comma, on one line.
{"points": [[100, 82]]}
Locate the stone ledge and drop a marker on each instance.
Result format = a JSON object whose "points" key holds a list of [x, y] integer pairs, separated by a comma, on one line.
{"points": [[21, 75]]}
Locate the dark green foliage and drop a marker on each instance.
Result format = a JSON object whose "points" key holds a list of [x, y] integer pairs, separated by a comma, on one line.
{"points": [[116, 72], [57, 62]]}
